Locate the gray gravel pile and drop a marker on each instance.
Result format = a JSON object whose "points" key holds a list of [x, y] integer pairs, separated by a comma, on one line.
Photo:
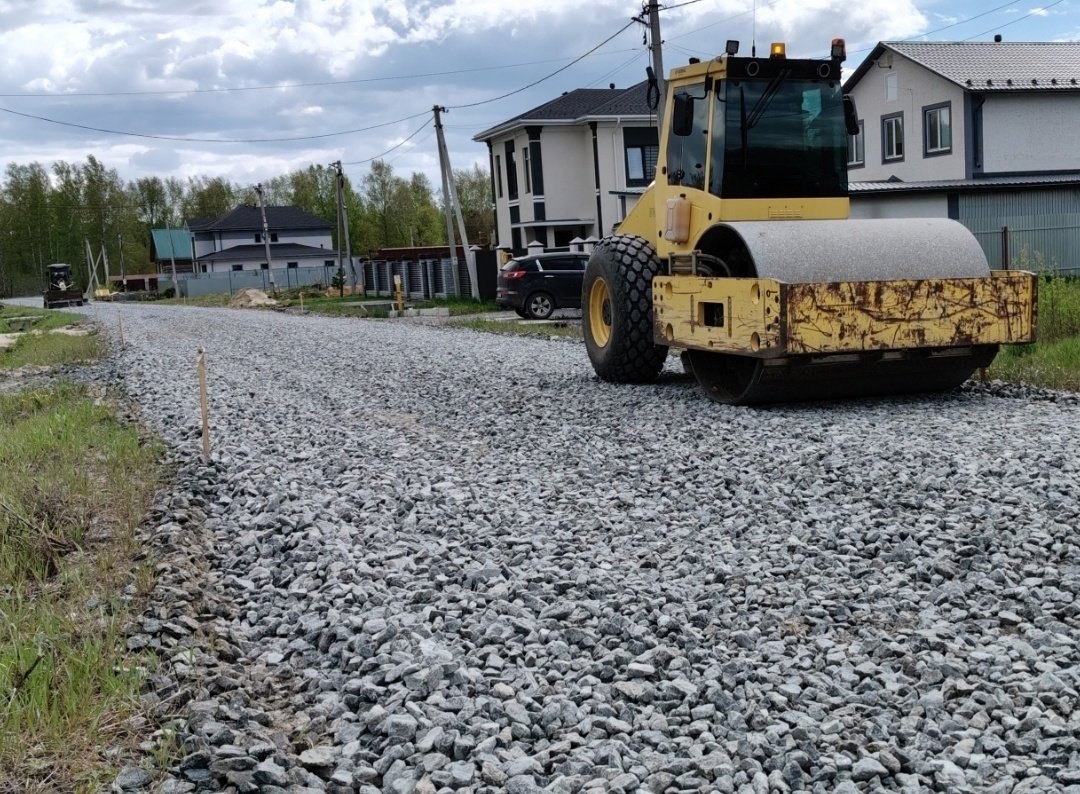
{"points": [[432, 560]]}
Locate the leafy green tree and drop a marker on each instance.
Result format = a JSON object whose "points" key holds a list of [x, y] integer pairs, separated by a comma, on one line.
{"points": [[474, 196], [209, 197], [26, 225]]}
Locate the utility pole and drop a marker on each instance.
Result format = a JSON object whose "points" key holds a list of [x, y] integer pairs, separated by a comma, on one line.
{"points": [[340, 270], [123, 274], [450, 202], [446, 202], [343, 220], [105, 263], [266, 239], [91, 267], [655, 47]]}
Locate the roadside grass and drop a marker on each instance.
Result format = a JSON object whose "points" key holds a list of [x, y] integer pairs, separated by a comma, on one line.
{"points": [[76, 483], [1054, 360], [320, 303], [49, 350], [570, 329], [209, 301], [50, 318], [1053, 365]]}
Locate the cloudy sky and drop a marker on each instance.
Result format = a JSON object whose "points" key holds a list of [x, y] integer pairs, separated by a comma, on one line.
{"points": [[219, 87]]}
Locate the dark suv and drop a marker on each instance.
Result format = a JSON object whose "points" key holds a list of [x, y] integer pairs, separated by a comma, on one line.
{"points": [[538, 284]]}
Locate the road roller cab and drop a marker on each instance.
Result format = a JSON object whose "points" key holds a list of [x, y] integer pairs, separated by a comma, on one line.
{"points": [[742, 254]]}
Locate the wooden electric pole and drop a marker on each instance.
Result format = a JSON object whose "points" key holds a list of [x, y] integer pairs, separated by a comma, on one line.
{"points": [[451, 207], [657, 58], [343, 226], [266, 238], [123, 273]]}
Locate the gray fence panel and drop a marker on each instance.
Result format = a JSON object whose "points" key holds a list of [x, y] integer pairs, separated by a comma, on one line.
{"points": [[420, 279], [226, 283]]}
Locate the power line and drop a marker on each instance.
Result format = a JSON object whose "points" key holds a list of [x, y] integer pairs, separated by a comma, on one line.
{"points": [[548, 77], [680, 5], [187, 139], [392, 148], [1019, 19], [275, 86], [206, 140], [953, 25]]}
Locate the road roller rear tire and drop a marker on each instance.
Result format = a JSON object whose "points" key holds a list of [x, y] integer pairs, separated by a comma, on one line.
{"points": [[616, 310]]}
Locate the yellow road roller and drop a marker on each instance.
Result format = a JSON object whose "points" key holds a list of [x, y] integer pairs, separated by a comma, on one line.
{"points": [[742, 253]]}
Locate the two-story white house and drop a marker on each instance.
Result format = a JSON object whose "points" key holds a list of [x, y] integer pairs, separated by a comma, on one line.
{"points": [[572, 167], [981, 132], [234, 242]]}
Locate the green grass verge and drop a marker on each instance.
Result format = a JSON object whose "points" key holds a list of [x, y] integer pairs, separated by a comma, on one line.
{"points": [[76, 483], [50, 318], [209, 301], [569, 330], [1053, 365], [49, 350], [1053, 361]]}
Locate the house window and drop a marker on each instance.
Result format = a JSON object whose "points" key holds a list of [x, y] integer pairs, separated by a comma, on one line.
{"points": [[258, 237], [511, 172], [642, 150], [498, 174], [237, 268], [329, 263], [856, 149], [892, 138], [292, 265], [525, 167], [264, 266], [937, 129], [892, 83], [273, 237]]}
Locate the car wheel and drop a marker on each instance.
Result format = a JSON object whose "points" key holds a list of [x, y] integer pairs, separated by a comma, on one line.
{"points": [[521, 313], [540, 306], [616, 310]]}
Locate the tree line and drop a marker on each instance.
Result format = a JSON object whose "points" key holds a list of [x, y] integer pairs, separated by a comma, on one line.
{"points": [[48, 214]]}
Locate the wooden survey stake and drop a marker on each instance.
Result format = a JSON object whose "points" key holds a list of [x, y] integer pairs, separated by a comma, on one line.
{"points": [[204, 405]]}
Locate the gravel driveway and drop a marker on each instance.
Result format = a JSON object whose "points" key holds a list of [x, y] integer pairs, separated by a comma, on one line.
{"points": [[431, 559]]}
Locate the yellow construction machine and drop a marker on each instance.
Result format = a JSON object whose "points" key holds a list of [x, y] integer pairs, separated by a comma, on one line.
{"points": [[741, 252]]}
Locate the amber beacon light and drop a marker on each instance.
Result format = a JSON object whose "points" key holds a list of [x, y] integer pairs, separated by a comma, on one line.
{"points": [[777, 50]]}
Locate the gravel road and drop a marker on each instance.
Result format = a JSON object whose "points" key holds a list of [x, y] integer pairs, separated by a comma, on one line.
{"points": [[430, 559]]}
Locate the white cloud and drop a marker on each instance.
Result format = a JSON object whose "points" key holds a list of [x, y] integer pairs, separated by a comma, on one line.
{"points": [[71, 46]]}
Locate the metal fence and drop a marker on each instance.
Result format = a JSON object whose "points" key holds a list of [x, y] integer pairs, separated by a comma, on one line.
{"points": [[1045, 249], [195, 286], [420, 280]]}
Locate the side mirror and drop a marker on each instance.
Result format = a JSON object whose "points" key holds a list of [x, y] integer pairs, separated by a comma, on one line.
{"points": [[682, 114], [851, 116]]}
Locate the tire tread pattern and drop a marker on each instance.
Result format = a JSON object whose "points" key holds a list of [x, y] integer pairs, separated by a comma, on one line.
{"points": [[629, 264]]}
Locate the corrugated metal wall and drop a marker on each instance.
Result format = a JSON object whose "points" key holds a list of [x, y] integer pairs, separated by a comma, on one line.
{"points": [[1043, 227]]}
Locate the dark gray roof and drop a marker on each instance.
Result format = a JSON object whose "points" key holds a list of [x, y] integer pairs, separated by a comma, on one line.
{"points": [[279, 252], [982, 183], [989, 66], [581, 103], [249, 218], [198, 224]]}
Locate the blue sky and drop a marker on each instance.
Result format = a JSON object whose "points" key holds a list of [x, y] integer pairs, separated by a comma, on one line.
{"points": [[213, 87]]}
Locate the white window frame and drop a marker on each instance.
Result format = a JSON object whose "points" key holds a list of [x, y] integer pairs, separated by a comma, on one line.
{"points": [[943, 113], [894, 154], [857, 148]]}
